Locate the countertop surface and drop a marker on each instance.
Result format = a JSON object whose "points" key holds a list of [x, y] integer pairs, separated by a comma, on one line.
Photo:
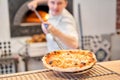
{"points": [[109, 70], [112, 65]]}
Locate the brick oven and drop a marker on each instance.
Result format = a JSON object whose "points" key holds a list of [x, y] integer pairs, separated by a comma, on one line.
{"points": [[24, 22]]}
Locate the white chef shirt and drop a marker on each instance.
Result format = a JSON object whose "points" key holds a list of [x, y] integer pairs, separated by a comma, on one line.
{"points": [[65, 23]]}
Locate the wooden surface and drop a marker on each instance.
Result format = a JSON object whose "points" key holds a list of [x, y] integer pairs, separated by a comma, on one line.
{"points": [[113, 65], [97, 72]]}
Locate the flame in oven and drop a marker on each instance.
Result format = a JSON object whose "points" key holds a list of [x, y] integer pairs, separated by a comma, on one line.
{"points": [[32, 18]]}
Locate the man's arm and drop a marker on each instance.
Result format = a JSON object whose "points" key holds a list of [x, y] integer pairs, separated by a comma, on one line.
{"points": [[40, 1], [33, 4], [67, 39]]}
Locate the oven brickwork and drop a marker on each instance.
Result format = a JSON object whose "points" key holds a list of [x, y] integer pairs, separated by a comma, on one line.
{"points": [[118, 15]]}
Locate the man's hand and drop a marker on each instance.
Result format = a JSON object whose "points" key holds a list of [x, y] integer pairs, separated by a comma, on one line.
{"points": [[45, 27], [32, 5]]}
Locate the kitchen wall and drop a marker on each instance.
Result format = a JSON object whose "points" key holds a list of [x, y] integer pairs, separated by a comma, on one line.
{"points": [[4, 21], [98, 16]]}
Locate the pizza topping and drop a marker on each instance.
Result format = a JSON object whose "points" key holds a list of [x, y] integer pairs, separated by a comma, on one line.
{"points": [[69, 59], [83, 63], [50, 62], [76, 64]]}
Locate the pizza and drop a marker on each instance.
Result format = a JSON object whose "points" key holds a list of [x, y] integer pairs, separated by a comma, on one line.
{"points": [[69, 60]]}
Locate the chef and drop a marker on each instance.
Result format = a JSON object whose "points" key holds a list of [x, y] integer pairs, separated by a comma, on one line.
{"points": [[60, 25]]}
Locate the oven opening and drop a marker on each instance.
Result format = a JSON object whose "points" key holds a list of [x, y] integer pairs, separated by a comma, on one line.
{"points": [[30, 18]]}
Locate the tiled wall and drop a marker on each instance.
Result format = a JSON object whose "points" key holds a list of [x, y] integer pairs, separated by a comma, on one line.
{"points": [[99, 44]]}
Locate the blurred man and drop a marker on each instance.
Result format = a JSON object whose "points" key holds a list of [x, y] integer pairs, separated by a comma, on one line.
{"points": [[61, 25]]}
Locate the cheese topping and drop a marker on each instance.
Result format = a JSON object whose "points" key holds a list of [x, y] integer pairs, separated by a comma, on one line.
{"points": [[67, 59]]}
